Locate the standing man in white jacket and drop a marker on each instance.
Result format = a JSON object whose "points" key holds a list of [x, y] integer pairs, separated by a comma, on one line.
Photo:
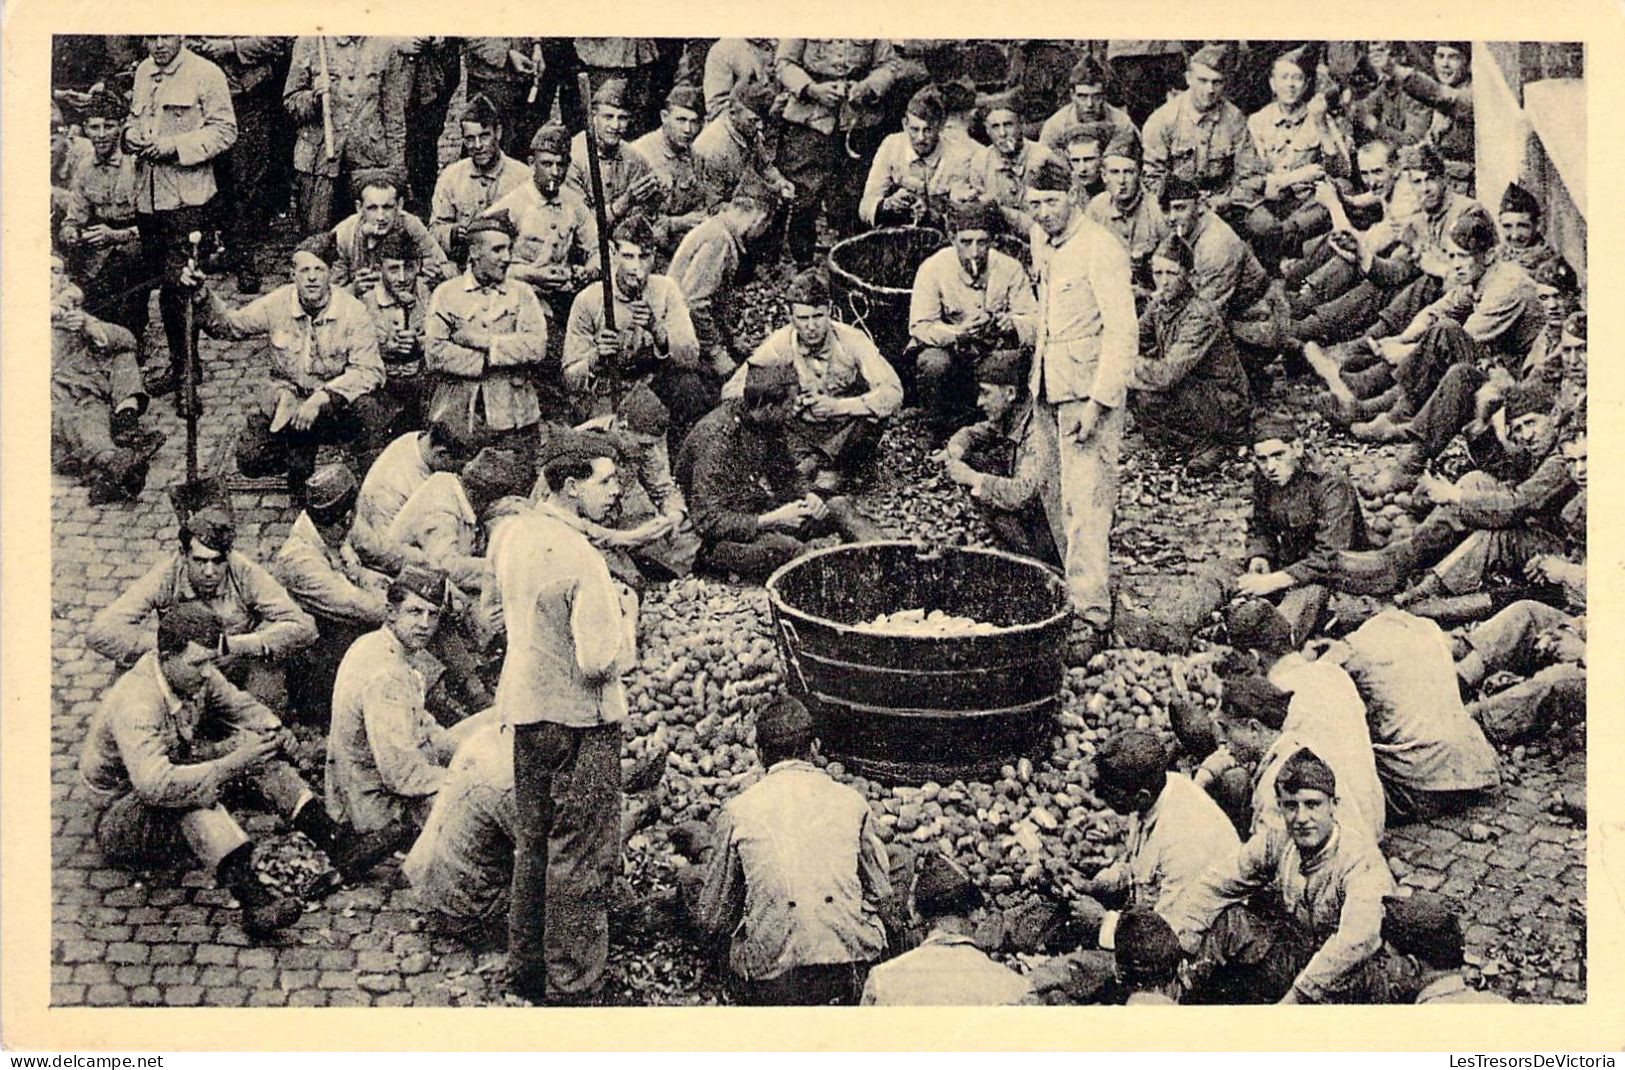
{"points": [[1085, 340], [569, 639]]}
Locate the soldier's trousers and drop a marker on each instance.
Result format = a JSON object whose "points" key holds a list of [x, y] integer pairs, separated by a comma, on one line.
{"points": [[1081, 513], [130, 832], [824, 177], [567, 851], [1251, 955], [164, 251], [244, 202]]}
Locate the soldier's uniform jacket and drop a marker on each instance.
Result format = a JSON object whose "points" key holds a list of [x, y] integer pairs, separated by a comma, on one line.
{"points": [[463, 192], [104, 191], [1140, 227], [143, 736], [462, 863], [683, 176], [187, 105], [248, 62], [1012, 460], [670, 337], [729, 156], [618, 169], [1286, 141], [391, 481], [389, 313], [550, 231], [438, 528], [328, 582], [801, 61], [493, 387], [84, 363], [335, 350], [1184, 344], [1299, 527], [350, 249], [1214, 150], [368, 85], [253, 608]]}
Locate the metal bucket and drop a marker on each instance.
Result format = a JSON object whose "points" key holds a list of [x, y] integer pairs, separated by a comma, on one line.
{"points": [[906, 708]]}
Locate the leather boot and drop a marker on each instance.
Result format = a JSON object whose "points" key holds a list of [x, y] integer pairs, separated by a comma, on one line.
{"points": [[353, 854], [263, 912]]}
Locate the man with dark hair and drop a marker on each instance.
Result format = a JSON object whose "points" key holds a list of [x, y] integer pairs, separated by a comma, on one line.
{"points": [[1303, 513], [798, 876], [354, 247], [180, 120], [846, 389], [398, 472], [1226, 271], [1088, 112], [262, 625], [97, 399], [1085, 153], [1190, 389], [947, 969], [1005, 463], [483, 176], [1449, 92], [1426, 927], [365, 82], [688, 193], [1326, 943], [1147, 959], [570, 637], [963, 307], [505, 71], [169, 736], [750, 503], [325, 578], [998, 173], [1300, 146], [733, 148], [486, 336], [653, 341], [324, 364], [386, 754], [915, 169]]}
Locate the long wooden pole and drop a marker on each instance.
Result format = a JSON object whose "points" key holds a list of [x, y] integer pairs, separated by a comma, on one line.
{"points": [[327, 99], [606, 266]]}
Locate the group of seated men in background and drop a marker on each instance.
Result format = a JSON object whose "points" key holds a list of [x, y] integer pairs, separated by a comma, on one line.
{"points": [[493, 448]]}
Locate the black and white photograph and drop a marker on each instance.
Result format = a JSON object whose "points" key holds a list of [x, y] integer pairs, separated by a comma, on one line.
{"points": [[655, 521]]}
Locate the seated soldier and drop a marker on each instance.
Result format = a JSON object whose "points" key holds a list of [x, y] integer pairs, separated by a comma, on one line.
{"points": [[1325, 944], [1519, 222], [1544, 645], [846, 388], [353, 247], [1147, 957], [1088, 112], [707, 270], [1085, 157], [630, 183], [1425, 927], [914, 170], [1126, 209], [1296, 702], [1490, 315], [795, 836], [653, 341], [689, 195], [734, 150], [555, 248], [467, 187], [399, 471], [170, 735], [97, 398], [1303, 513], [947, 969], [326, 579], [324, 367], [386, 754], [462, 863], [263, 626], [1327, 272], [1431, 757], [997, 173], [651, 537], [1190, 390], [1300, 146], [440, 526], [485, 341], [1226, 271], [1007, 467], [750, 503], [1491, 520], [399, 308], [963, 307], [99, 231]]}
